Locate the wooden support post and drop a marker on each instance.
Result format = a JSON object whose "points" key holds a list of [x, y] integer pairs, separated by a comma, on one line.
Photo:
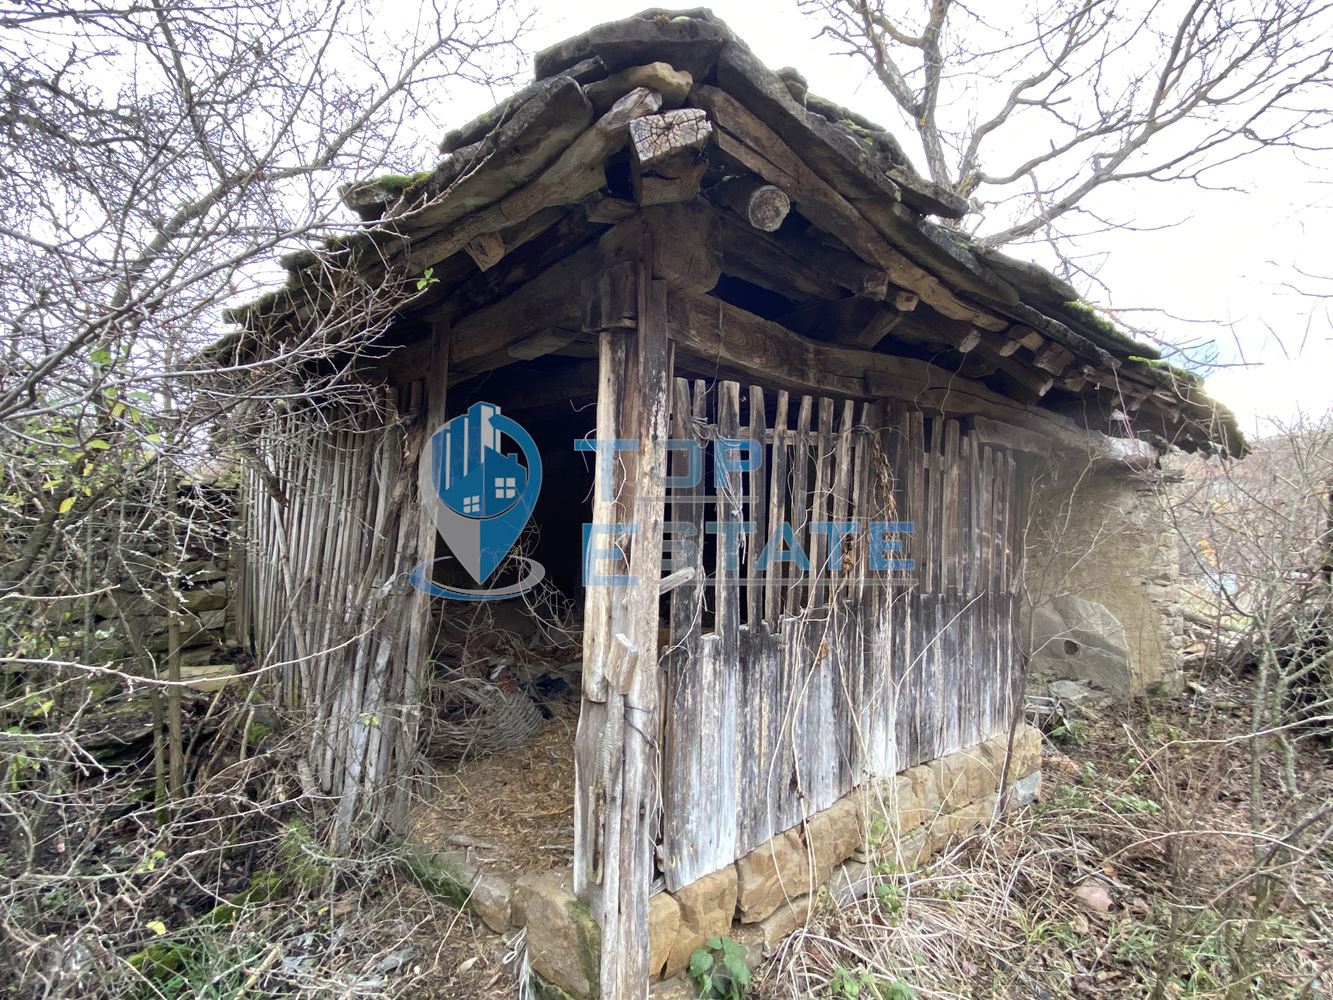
{"points": [[616, 755], [418, 612]]}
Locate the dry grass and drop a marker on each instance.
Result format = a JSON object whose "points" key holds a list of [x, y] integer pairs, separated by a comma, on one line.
{"points": [[1152, 809], [513, 812]]}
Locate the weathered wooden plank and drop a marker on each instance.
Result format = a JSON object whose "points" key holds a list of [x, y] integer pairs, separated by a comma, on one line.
{"points": [[714, 333], [842, 563], [757, 504], [986, 551], [951, 524], [616, 796], [729, 569], [865, 504], [823, 483], [775, 595], [799, 507]]}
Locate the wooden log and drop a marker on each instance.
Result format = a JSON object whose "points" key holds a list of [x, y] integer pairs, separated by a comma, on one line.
{"points": [[687, 245], [681, 186], [1052, 358], [1027, 336], [688, 257], [830, 321], [658, 139], [577, 173], [764, 206], [776, 263], [607, 209], [851, 166], [870, 334], [519, 149], [750, 142], [667, 156], [486, 250]]}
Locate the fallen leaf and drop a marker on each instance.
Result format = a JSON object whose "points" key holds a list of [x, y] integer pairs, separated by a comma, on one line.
{"points": [[1093, 897], [395, 959]]}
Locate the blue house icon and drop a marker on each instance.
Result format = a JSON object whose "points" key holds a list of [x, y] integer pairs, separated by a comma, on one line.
{"points": [[478, 480]]}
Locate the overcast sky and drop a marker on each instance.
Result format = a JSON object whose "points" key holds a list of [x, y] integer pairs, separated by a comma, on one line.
{"points": [[1224, 272]]}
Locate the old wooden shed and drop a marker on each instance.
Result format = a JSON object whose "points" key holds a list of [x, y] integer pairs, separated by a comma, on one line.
{"points": [[663, 240]]}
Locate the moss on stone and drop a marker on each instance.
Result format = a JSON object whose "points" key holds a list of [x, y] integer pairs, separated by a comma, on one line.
{"points": [[540, 989], [300, 856], [397, 183], [265, 886], [1091, 319], [435, 872], [590, 944]]}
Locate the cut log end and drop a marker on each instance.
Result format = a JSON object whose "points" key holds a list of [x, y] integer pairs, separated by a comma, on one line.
{"points": [[655, 139], [763, 206]]}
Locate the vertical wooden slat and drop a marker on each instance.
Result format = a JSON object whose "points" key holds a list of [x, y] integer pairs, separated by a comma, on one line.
{"points": [[684, 702], [798, 580], [757, 504], [950, 523], [777, 509], [819, 540], [840, 502], [729, 578]]}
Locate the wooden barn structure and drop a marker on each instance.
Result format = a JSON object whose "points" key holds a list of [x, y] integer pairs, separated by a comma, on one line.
{"points": [[663, 240]]}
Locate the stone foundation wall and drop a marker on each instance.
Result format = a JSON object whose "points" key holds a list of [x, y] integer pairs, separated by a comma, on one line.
{"points": [[1101, 581], [771, 891]]}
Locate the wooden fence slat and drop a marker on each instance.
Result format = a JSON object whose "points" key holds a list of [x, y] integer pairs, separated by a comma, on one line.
{"points": [[840, 578], [819, 514], [951, 523], [777, 509], [799, 505], [757, 504]]}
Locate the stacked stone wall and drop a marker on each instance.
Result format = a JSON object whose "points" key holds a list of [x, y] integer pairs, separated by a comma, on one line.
{"points": [[770, 892]]}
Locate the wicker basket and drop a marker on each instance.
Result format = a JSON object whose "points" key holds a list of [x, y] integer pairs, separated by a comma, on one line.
{"points": [[469, 717]]}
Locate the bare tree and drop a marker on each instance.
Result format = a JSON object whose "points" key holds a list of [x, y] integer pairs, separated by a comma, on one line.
{"points": [[154, 160], [1029, 111]]}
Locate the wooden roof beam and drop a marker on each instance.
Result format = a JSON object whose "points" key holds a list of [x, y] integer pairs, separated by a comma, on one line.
{"points": [[749, 141], [718, 335]]}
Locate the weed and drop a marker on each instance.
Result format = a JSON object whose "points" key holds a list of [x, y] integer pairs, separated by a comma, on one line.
{"points": [[720, 970]]}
